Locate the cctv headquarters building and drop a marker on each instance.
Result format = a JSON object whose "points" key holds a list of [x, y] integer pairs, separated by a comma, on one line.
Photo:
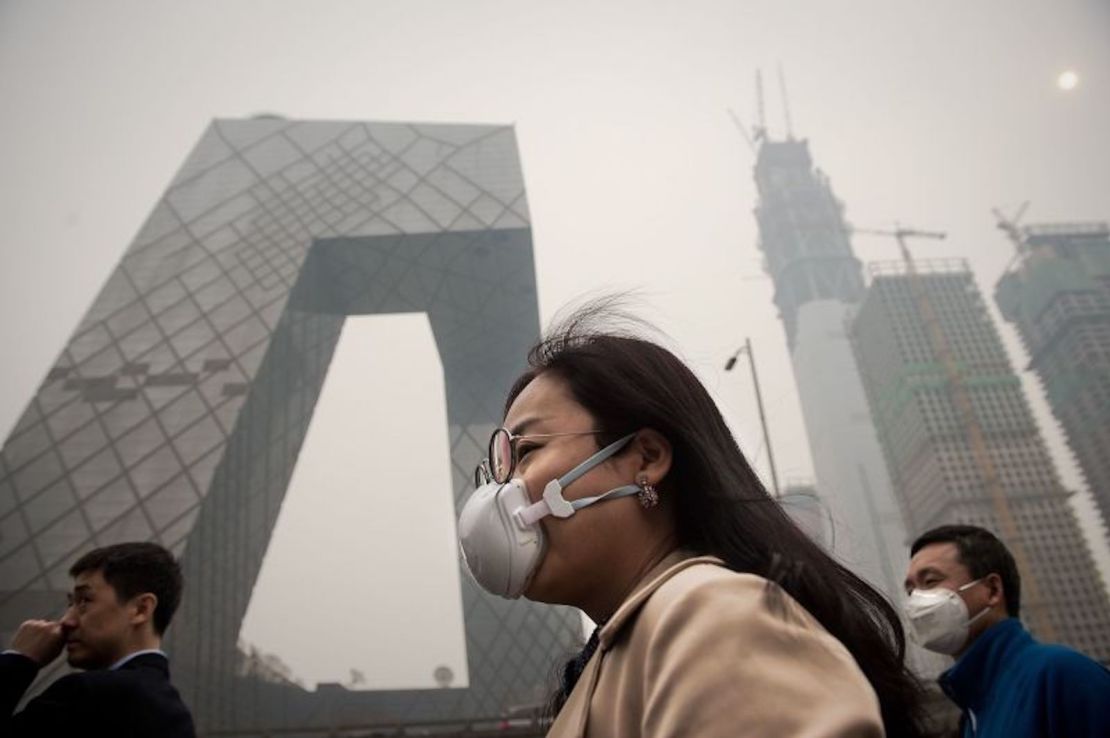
{"points": [[177, 409]]}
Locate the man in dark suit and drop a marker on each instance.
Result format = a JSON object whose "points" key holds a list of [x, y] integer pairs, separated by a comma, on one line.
{"points": [[123, 599]]}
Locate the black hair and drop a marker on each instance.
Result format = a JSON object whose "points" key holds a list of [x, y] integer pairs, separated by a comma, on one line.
{"points": [[628, 383], [137, 568], [982, 553]]}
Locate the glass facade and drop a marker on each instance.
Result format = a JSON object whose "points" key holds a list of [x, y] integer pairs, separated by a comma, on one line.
{"points": [[176, 411]]}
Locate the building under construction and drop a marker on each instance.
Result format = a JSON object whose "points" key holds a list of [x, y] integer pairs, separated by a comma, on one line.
{"points": [[818, 286], [1058, 296], [961, 443]]}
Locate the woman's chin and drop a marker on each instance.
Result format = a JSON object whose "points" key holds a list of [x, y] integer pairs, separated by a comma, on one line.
{"points": [[536, 594], [540, 588], [550, 591]]}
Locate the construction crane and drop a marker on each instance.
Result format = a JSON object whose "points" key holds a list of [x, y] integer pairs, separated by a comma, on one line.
{"points": [[962, 400], [785, 105], [760, 116], [743, 130], [900, 235], [1009, 226], [758, 132]]}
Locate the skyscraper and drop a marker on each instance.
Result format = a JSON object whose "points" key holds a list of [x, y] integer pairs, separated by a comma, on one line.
{"points": [[1058, 296], [961, 443], [818, 286], [176, 411]]}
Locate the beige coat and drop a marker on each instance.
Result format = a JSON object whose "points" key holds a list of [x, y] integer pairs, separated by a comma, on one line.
{"points": [[695, 651]]}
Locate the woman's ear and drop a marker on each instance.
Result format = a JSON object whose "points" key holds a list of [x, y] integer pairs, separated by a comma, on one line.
{"points": [[653, 452]]}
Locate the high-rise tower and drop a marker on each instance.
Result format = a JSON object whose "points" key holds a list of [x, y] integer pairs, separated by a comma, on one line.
{"points": [[177, 410], [961, 443], [1058, 296], [818, 285]]}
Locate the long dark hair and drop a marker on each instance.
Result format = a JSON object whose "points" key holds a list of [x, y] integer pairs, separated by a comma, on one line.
{"points": [[627, 382]]}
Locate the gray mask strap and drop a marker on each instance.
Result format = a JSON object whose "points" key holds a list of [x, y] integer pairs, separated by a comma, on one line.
{"points": [[568, 478], [625, 491]]}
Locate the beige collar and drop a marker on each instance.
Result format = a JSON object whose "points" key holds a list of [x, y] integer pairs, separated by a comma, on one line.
{"points": [[671, 564]]}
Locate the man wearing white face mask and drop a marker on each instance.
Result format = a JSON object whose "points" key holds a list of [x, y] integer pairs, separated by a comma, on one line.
{"points": [[964, 597]]}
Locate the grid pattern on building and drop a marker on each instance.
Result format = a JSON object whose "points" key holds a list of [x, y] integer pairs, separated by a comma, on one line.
{"points": [[176, 411], [1058, 297], [924, 437]]}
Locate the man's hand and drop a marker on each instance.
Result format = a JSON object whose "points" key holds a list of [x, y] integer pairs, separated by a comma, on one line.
{"points": [[39, 640]]}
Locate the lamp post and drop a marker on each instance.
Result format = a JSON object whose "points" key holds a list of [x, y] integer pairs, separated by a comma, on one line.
{"points": [[747, 349]]}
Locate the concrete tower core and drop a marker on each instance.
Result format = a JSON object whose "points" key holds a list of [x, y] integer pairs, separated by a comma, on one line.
{"points": [[818, 286]]}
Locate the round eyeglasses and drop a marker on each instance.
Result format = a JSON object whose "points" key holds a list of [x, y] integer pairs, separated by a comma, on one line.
{"points": [[499, 465]]}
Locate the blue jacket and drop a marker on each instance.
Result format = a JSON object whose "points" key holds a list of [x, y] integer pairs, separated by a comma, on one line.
{"points": [[1009, 685]]}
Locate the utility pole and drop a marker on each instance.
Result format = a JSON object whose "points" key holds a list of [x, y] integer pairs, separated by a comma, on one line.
{"points": [[747, 349]]}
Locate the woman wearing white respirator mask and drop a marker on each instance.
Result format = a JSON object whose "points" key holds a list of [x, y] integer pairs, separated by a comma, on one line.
{"points": [[616, 487]]}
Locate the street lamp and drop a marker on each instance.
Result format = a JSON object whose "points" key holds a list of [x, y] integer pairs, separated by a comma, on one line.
{"points": [[747, 349]]}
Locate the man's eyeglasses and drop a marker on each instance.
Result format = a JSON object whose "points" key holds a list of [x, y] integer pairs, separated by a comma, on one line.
{"points": [[499, 465]]}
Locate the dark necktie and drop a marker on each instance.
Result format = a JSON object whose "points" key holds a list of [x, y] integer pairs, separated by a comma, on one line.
{"points": [[577, 665]]}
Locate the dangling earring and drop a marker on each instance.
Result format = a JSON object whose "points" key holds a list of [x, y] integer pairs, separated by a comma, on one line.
{"points": [[648, 495]]}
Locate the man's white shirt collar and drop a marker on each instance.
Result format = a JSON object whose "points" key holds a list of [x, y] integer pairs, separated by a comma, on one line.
{"points": [[130, 656]]}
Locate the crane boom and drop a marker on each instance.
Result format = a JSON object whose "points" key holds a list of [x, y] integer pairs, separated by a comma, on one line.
{"points": [[900, 235], [1009, 226], [760, 115], [785, 104], [743, 131]]}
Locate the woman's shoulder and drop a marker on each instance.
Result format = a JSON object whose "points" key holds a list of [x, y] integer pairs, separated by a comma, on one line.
{"points": [[706, 592], [701, 571], [743, 647], [710, 579]]}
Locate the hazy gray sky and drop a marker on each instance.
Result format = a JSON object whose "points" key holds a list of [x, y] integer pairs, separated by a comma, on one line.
{"points": [[362, 568], [927, 113]]}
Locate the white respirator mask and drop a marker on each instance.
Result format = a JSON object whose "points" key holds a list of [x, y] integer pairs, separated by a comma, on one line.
{"points": [[940, 618], [499, 533]]}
